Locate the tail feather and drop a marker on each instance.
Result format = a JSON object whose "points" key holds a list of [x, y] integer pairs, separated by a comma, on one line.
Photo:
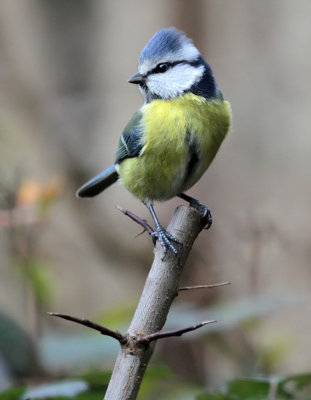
{"points": [[99, 183]]}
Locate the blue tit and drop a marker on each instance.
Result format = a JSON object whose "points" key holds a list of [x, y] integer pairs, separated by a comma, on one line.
{"points": [[172, 139]]}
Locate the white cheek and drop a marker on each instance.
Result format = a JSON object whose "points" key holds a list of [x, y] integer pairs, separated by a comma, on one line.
{"points": [[174, 81]]}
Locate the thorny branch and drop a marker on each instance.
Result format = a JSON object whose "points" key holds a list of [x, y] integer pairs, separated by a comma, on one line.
{"points": [[159, 292], [138, 220], [123, 339], [177, 332], [93, 325]]}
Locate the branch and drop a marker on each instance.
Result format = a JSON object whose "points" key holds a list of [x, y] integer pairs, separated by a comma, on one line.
{"points": [[160, 290], [177, 332], [138, 220], [93, 325], [204, 286]]}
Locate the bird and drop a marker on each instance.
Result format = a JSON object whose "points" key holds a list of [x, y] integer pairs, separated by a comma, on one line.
{"points": [[171, 140]]}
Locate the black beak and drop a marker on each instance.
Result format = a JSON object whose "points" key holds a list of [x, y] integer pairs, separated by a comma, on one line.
{"points": [[136, 78]]}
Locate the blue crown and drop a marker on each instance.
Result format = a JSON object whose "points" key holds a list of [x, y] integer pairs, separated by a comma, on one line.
{"points": [[165, 41]]}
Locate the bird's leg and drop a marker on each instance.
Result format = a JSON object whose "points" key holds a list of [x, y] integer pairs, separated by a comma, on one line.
{"points": [[194, 203], [165, 238]]}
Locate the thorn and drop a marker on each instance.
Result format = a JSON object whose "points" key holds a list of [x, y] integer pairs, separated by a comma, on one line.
{"points": [[204, 286], [140, 233], [139, 221], [145, 339], [93, 325]]}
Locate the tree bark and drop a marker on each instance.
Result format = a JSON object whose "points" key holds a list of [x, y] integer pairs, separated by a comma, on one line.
{"points": [[160, 289]]}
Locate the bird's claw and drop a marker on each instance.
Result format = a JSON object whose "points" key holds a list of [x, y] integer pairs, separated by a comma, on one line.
{"points": [[194, 203], [166, 240]]}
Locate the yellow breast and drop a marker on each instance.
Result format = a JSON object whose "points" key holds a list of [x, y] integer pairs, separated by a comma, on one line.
{"points": [[161, 170]]}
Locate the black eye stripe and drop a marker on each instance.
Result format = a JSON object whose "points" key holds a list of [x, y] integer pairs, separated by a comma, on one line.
{"points": [[194, 63]]}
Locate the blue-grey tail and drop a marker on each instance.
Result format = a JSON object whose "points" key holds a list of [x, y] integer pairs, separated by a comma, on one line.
{"points": [[99, 183]]}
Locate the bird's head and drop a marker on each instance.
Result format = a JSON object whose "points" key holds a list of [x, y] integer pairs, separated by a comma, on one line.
{"points": [[170, 65]]}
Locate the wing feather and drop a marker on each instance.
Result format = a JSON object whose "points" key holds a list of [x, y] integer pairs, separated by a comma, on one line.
{"points": [[130, 144]]}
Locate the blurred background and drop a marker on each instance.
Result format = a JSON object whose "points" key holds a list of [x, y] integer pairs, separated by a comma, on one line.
{"points": [[64, 100]]}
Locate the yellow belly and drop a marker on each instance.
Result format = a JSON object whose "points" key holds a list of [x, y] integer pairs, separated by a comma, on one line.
{"points": [[160, 171]]}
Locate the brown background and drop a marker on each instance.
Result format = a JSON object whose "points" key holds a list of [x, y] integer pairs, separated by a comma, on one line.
{"points": [[64, 99]]}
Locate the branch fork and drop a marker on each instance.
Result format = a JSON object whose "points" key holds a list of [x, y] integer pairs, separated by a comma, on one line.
{"points": [[128, 340], [160, 290]]}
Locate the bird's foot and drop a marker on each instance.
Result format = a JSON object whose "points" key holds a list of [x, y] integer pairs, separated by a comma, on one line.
{"points": [[202, 208], [166, 240]]}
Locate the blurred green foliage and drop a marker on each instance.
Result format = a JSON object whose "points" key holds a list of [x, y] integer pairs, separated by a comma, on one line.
{"points": [[92, 386], [13, 394], [296, 387]]}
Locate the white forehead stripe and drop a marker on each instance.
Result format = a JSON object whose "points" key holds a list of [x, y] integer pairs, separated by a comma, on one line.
{"points": [[187, 52]]}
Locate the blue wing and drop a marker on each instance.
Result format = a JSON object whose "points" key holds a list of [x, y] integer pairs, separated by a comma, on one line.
{"points": [[130, 143]]}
